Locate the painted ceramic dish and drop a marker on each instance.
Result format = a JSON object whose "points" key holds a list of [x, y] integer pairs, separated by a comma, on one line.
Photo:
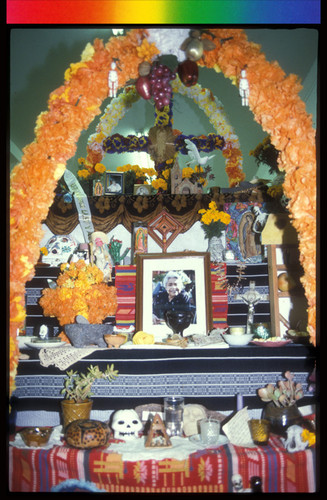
{"points": [[36, 436]]}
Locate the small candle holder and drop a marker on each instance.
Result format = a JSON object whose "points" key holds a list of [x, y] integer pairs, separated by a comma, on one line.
{"points": [[210, 430], [260, 431]]}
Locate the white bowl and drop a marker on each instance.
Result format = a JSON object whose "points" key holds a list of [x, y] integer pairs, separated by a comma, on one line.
{"points": [[238, 340]]}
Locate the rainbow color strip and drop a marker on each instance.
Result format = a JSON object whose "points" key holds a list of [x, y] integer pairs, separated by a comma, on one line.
{"points": [[163, 11]]}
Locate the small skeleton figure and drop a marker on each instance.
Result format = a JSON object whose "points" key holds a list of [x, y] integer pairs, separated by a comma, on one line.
{"points": [[244, 88], [237, 482], [113, 80]]}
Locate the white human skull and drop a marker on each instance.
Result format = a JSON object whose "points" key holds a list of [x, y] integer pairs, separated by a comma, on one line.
{"points": [[294, 440], [59, 248], [191, 416], [237, 482], [126, 425]]}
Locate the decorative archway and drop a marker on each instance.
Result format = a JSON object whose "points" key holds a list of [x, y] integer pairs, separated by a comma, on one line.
{"points": [[273, 99]]}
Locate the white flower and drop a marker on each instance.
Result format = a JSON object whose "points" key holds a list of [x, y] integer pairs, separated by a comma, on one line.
{"points": [[168, 41]]}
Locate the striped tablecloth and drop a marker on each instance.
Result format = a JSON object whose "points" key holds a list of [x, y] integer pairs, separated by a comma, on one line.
{"points": [[68, 469]]}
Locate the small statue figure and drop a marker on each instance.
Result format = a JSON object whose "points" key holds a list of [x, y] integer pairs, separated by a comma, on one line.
{"points": [[244, 89], [100, 255]]}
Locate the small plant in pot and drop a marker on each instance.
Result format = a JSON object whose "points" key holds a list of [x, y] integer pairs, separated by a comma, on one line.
{"points": [[77, 391], [281, 410]]}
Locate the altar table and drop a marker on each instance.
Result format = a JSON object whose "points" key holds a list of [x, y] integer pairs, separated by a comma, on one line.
{"points": [[205, 471]]}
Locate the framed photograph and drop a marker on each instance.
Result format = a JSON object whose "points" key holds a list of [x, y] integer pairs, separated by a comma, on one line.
{"points": [[173, 282], [142, 189], [114, 183]]}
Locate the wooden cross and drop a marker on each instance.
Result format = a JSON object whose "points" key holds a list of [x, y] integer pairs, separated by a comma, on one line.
{"points": [[161, 144]]}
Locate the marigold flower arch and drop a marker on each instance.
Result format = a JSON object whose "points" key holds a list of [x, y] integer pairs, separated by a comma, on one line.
{"points": [[274, 101]]}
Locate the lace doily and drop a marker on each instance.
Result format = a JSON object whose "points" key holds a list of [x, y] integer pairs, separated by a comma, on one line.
{"points": [[64, 357]]}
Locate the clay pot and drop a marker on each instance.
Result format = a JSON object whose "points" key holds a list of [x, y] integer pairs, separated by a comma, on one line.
{"points": [[75, 411], [114, 340], [280, 418]]}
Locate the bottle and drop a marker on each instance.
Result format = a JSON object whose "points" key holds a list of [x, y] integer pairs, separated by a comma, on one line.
{"points": [[256, 486]]}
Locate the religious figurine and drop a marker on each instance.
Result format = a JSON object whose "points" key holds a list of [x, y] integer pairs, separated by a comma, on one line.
{"points": [[244, 89], [100, 254], [251, 297]]}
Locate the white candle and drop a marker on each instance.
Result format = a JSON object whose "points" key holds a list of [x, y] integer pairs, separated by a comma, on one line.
{"points": [[237, 330]]}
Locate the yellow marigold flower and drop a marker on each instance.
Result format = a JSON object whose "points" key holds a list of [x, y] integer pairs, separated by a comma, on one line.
{"points": [[83, 173], [44, 250], [187, 172], [146, 50], [81, 161], [308, 436], [99, 167], [159, 183], [166, 173]]}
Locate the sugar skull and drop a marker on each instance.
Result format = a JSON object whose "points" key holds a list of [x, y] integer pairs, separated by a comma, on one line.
{"points": [[191, 418], [59, 248], [126, 425]]}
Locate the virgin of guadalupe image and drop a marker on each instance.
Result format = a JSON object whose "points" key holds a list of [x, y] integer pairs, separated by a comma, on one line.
{"points": [[173, 293], [247, 238]]}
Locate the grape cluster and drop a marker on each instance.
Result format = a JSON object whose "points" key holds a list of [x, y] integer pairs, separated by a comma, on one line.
{"points": [[161, 91]]}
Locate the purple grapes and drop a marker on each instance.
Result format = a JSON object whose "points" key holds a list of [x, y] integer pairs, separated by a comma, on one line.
{"points": [[161, 91]]}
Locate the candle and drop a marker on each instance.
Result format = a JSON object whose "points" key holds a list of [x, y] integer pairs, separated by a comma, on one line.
{"points": [[237, 330], [239, 402]]}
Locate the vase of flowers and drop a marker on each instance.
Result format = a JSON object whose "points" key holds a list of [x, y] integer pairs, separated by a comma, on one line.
{"points": [[80, 293], [214, 223], [77, 391], [134, 174], [281, 409]]}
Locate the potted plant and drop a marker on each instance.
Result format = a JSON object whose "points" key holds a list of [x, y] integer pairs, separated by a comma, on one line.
{"points": [[77, 391], [281, 410]]}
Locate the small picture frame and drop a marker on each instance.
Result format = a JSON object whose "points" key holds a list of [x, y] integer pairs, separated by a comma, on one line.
{"points": [[98, 187], [142, 189], [155, 274], [114, 183]]}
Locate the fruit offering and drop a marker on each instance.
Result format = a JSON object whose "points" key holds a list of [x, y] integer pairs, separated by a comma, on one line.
{"points": [[157, 85]]}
